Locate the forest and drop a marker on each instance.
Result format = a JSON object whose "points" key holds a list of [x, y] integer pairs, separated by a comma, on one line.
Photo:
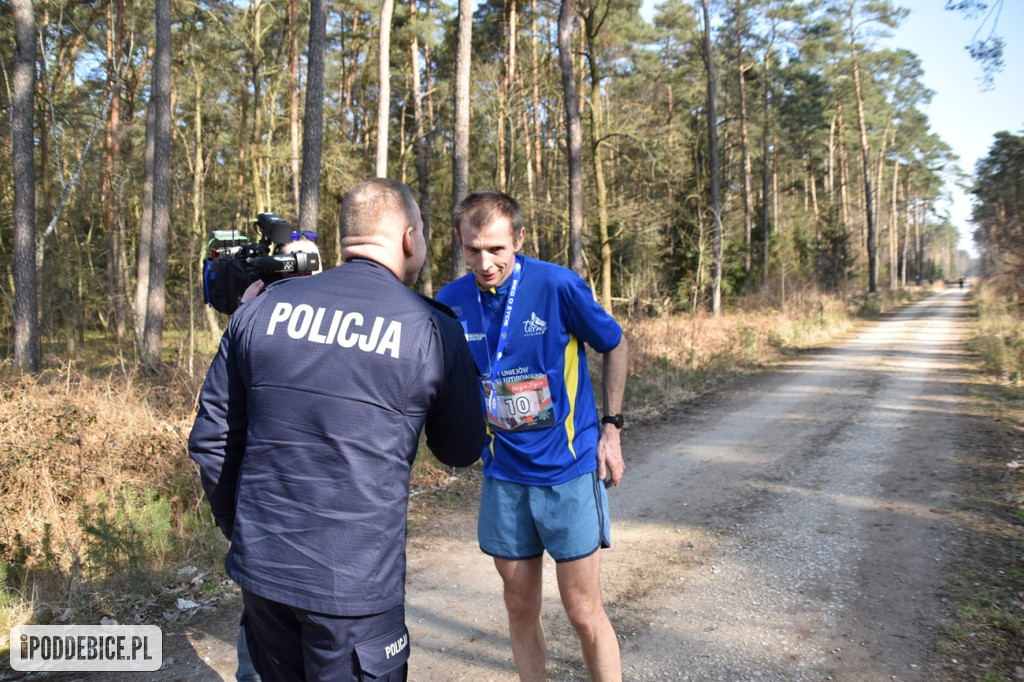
{"points": [[717, 150], [736, 179]]}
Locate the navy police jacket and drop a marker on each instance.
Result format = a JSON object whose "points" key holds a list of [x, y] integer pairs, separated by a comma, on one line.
{"points": [[308, 424]]}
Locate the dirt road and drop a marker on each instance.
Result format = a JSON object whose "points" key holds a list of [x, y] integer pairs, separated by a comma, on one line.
{"points": [[796, 529]]}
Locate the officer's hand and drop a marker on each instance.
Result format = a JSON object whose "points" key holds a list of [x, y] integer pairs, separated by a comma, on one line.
{"points": [[252, 291]]}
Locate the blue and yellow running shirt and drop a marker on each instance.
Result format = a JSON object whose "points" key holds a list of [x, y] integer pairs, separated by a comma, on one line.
{"points": [[542, 424]]}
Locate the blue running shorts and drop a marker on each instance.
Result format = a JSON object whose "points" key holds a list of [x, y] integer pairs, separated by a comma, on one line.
{"points": [[569, 520]]}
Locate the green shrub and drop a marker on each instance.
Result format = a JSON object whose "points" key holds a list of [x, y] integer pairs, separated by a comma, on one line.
{"points": [[7, 598], [14, 608], [127, 538], [748, 341], [994, 355], [201, 543], [870, 308], [778, 338], [999, 341]]}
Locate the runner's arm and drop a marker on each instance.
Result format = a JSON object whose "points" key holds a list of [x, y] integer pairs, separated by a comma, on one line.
{"points": [[615, 367]]}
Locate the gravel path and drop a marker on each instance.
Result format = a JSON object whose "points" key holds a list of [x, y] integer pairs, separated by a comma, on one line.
{"points": [[794, 530]]}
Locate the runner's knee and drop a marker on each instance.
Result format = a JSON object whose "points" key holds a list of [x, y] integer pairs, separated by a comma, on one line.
{"points": [[522, 606], [586, 616]]}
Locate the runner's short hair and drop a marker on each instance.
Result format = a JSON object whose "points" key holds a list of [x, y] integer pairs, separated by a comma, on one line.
{"points": [[483, 207]]}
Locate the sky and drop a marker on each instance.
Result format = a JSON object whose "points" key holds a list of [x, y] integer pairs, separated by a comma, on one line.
{"points": [[961, 113]]}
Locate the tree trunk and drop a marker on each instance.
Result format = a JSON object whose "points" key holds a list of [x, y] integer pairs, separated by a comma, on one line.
{"points": [[592, 28], [384, 76], [748, 202], [198, 230], [866, 162], [894, 230], [153, 333], [426, 184], [347, 80], [293, 100], [716, 209], [504, 122], [241, 204], [255, 161], [574, 138], [920, 226], [115, 265], [831, 171], [908, 209], [27, 354], [313, 120], [538, 228], [403, 142], [423, 147], [460, 157], [844, 181], [499, 124], [44, 189], [812, 187], [765, 155], [145, 248]]}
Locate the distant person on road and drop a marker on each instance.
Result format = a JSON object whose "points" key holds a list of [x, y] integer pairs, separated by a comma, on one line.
{"points": [[308, 424], [548, 458]]}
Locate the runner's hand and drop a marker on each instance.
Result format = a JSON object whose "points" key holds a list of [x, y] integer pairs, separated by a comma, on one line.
{"points": [[610, 465]]}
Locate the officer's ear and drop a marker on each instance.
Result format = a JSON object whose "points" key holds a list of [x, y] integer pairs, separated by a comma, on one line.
{"points": [[409, 241]]}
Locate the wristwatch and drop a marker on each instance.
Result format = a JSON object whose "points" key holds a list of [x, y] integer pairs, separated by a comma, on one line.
{"points": [[615, 420]]}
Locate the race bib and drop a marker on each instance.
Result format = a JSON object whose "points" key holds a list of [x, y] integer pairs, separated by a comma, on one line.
{"points": [[524, 403]]}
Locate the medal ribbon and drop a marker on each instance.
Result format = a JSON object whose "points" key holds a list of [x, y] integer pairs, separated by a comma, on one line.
{"points": [[517, 273]]}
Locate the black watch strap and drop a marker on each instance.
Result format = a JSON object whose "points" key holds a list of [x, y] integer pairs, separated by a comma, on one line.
{"points": [[615, 420]]}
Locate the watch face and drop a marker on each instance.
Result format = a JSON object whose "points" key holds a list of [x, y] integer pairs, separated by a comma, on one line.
{"points": [[616, 420]]}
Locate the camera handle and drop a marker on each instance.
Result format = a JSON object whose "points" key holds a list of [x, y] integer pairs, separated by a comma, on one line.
{"points": [[294, 263]]}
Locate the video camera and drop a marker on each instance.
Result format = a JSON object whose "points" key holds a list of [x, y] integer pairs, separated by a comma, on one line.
{"points": [[232, 262]]}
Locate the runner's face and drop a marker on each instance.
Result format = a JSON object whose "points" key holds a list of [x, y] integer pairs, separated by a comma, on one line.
{"points": [[490, 251]]}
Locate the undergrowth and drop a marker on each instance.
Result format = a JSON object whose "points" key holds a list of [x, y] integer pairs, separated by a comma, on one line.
{"points": [[102, 512], [673, 359], [97, 502], [999, 339], [984, 638]]}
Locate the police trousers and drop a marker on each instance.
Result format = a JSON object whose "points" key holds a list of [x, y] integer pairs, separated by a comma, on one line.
{"points": [[288, 644]]}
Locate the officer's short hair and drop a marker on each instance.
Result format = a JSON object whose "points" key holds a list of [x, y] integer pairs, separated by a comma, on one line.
{"points": [[370, 201]]}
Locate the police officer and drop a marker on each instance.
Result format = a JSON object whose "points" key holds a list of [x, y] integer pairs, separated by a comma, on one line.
{"points": [[308, 425]]}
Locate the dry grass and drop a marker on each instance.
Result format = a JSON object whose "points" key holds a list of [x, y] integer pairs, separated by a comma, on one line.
{"points": [[100, 504], [676, 358], [66, 437], [999, 338], [97, 492], [984, 636]]}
